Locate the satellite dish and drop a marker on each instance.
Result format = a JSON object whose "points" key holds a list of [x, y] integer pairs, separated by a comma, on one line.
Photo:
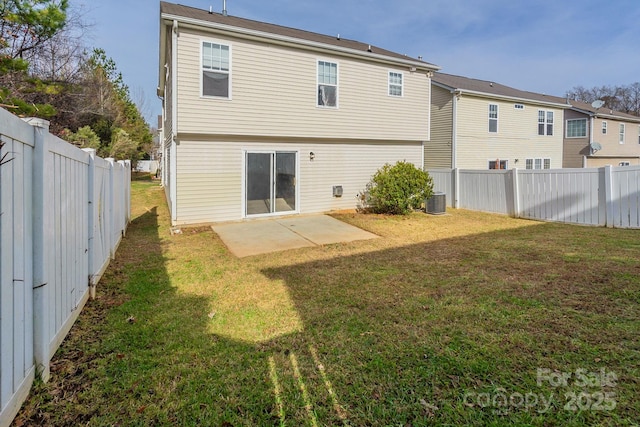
{"points": [[597, 103], [595, 146]]}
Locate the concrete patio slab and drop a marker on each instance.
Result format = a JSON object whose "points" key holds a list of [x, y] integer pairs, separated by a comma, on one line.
{"points": [[273, 235]]}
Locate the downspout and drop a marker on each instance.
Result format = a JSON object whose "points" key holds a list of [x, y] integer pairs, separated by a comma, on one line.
{"points": [[454, 130], [174, 121], [591, 125]]}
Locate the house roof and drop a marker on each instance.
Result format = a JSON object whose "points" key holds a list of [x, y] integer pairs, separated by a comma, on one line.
{"points": [[493, 90], [603, 112], [195, 16]]}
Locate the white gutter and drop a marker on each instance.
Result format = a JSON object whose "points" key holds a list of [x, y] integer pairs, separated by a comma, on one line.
{"points": [[292, 41]]}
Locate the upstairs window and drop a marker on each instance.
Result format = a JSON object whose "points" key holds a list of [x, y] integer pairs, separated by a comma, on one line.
{"points": [[624, 164], [493, 118], [327, 84], [395, 84], [545, 122], [621, 134], [215, 70], [518, 106], [604, 128], [577, 128]]}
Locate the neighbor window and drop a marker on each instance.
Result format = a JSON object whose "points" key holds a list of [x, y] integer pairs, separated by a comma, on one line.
{"points": [[215, 69], [518, 106], [624, 164], [395, 84], [327, 84], [538, 164], [604, 128], [498, 164], [545, 122], [621, 137], [493, 118], [576, 128]]}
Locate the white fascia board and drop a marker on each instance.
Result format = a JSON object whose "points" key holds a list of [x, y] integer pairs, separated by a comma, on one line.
{"points": [[285, 40]]}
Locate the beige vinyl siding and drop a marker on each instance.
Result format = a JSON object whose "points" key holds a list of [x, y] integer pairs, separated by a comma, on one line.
{"points": [[598, 162], [210, 174], [437, 151], [610, 142], [517, 136], [274, 93]]}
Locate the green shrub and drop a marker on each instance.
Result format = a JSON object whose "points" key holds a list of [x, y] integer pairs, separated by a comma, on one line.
{"points": [[398, 189]]}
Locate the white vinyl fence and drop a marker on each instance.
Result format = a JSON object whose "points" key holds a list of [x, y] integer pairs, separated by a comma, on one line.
{"points": [[63, 212], [608, 196]]}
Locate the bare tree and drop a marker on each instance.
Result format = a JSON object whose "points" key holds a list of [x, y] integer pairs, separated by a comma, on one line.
{"points": [[60, 58], [625, 99]]}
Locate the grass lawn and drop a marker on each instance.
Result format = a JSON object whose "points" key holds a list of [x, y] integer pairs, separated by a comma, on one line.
{"points": [[461, 319]]}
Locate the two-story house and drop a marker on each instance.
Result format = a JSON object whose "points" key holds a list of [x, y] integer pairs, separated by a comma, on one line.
{"points": [[597, 136], [477, 124], [263, 120]]}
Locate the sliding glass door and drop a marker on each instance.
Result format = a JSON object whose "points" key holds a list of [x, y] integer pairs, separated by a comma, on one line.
{"points": [[270, 182]]}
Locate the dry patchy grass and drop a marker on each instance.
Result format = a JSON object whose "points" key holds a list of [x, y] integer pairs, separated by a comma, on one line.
{"points": [[413, 328]]}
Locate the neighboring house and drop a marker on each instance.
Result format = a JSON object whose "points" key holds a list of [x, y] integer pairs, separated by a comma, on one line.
{"points": [[264, 120], [477, 124], [596, 137]]}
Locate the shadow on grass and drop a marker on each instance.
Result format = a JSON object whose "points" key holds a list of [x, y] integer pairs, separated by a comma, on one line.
{"points": [[425, 333], [141, 353]]}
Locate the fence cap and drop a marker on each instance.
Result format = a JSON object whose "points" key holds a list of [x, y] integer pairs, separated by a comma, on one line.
{"points": [[38, 122]]}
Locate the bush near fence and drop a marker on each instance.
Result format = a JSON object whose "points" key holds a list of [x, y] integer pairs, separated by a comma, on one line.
{"points": [[607, 196], [63, 212]]}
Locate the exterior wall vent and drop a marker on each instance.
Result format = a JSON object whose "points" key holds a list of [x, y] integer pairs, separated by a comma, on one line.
{"points": [[337, 191]]}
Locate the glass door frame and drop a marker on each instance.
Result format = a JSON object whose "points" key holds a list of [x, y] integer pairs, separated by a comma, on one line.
{"points": [[245, 153]]}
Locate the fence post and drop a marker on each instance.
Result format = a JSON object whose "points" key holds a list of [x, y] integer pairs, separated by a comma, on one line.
{"points": [[516, 193], [127, 191], [110, 200], [41, 231], [456, 188], [608, 195], [91, 220]]}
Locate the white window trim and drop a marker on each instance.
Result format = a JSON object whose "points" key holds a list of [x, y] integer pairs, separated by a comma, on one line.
{"points": [[224, 43], [542, 161], [315, 98], [389, 84], [567, 128], [622, 133], [546, 123], [497, 119]]}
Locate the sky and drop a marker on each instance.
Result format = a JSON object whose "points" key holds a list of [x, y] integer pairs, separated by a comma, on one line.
{"points": [[544, 46]]}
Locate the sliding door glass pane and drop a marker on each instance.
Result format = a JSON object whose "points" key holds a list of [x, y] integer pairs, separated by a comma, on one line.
{"points": [[285, 182], [259, 197]]}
